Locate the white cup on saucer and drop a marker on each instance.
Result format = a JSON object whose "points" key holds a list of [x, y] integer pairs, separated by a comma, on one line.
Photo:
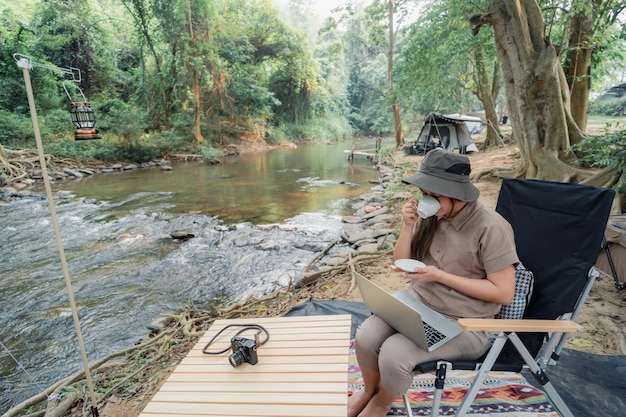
{"points": [[427, 206]]}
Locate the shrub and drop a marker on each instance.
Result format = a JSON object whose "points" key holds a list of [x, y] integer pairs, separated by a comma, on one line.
{"points": [[608, 150], [210, 154], [613, 107]]}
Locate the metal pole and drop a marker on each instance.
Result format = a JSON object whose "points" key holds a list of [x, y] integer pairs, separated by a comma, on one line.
{"points": [[25, 65]]}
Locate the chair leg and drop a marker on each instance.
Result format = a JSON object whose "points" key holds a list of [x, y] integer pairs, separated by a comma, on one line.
{"points": [[471, 393], [440, 379], [407, 405], [540, 376]]}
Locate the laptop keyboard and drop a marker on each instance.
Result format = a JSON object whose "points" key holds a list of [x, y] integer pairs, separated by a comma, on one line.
{"points": [[433, 335]]}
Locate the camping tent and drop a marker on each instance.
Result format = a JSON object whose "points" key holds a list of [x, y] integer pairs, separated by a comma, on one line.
{"points": [[448, 132], [474, 123]]}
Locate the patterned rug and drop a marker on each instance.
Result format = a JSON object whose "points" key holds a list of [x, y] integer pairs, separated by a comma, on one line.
{"points": [[504, 394]]}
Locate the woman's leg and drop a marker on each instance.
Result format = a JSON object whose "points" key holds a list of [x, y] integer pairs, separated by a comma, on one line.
{"points": [[369, 337], [379, 405], [359, 400], [397, 358]]}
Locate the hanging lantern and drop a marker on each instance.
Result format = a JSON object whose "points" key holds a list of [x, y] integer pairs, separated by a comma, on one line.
{"points": [[85, 121]]}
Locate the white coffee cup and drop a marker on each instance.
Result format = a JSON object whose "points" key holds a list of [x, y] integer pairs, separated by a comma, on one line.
{"points": [[427, 206]]}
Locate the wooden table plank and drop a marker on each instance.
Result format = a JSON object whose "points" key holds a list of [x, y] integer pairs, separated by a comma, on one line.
{"points": [[271, 387], [302, 371]]}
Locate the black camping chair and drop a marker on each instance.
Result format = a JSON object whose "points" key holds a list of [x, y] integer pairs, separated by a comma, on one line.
{"points": [[558, 232]]}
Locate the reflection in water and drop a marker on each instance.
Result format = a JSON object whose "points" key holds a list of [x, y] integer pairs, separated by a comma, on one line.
{"points": [[126, 270], [263, 187]]}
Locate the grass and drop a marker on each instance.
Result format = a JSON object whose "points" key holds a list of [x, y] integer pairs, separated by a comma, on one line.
{"points": [[604, 120]]}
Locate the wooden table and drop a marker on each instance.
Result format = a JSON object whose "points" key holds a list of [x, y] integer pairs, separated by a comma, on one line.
{"points": [[301, 371]]}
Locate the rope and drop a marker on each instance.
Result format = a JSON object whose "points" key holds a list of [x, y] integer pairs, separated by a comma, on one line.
{"points": [[41, 389]]}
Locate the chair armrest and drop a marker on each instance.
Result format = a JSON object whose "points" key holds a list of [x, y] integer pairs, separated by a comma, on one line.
{"points": [[520, 326]]}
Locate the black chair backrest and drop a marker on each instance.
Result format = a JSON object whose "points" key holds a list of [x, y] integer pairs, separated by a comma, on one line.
{"points": [[558, 232]]}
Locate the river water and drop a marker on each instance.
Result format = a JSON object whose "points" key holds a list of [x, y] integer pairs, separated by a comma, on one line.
{"points": [[258, 219]]}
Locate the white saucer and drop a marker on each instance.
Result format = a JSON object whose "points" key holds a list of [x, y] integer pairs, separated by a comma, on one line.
{"points": [[409, 265]]}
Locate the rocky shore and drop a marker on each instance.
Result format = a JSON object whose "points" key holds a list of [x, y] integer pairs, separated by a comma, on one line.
{"points": [[61, 172]]}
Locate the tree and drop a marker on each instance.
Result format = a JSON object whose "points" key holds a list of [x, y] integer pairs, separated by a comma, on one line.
{"points": [[157, 86], [198, 52], [395, 107], [442, 64], [536, 91], [588, 23], [401, 8], [372, 31]]}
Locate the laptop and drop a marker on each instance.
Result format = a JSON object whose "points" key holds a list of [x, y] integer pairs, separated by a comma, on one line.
{"points": [[427, 328]]}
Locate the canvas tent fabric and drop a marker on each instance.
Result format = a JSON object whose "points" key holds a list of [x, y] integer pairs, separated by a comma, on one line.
{"points": [[474, 123], [447, 132]]}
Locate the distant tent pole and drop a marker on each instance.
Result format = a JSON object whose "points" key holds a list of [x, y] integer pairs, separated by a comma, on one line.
{"points": [[490, 123], [26, 66]]}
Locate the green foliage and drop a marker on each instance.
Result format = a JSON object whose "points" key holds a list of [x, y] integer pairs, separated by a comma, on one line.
{"points": [[437, 60], [604, 17], [386, 151], [276, 135], [364, 66], [123, 119], [18, 132], [608, 107], [317, 130], [16, 129], [142, 149], [211, 154], [608, 150]]}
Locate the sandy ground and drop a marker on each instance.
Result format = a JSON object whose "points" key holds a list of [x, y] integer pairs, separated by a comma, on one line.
{"points": [[603, 316]]}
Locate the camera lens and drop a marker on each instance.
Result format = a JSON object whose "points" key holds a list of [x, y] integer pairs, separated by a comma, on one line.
{"points": [[237, 358]]}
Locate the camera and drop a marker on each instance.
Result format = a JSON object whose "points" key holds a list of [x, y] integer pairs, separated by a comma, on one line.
{"points": [[244, 350]]}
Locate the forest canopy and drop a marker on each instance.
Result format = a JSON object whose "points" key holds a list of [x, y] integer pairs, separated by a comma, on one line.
{"points": [[202, 75]]}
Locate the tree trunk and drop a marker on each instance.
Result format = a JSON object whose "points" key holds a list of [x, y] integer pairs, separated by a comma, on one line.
{"points": [[139, 13], [485, 94], [578, 66], [395, 107], [535, 90], [195, 85], [197, 111]]}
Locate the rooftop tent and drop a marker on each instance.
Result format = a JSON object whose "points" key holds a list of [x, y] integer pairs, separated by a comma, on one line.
{"points": [[448, 132], [474, 123]]}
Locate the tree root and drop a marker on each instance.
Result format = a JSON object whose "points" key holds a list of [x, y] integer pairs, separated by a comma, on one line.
{"points": [[16, 165], [498, 173], [56, 408]]}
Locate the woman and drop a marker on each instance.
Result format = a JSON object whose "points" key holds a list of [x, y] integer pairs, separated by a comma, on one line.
{"points": [[470, 258]]}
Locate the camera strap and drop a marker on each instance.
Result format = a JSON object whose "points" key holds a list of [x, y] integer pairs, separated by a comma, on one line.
{"points": [[257, 340]]}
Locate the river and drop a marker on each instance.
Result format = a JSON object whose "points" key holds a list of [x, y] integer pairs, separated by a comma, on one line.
{"points": [[258, 219]]}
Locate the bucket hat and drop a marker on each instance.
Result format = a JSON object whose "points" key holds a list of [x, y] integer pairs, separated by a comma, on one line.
{"points": [[445, 173]]}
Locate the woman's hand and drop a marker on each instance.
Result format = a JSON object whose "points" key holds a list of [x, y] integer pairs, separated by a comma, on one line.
{"points": [[425, 274], [409, 212]]}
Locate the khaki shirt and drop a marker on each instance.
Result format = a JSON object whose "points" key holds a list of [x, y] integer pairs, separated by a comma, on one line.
{"points": [[476, 242]]}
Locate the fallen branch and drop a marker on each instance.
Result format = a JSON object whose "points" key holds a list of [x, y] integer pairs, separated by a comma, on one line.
{"points": [[58, 408], [319, 255], [353, 278]]}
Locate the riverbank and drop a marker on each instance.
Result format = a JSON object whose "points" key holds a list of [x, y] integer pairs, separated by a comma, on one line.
{"points": [[20, 169], [129, 379]]}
